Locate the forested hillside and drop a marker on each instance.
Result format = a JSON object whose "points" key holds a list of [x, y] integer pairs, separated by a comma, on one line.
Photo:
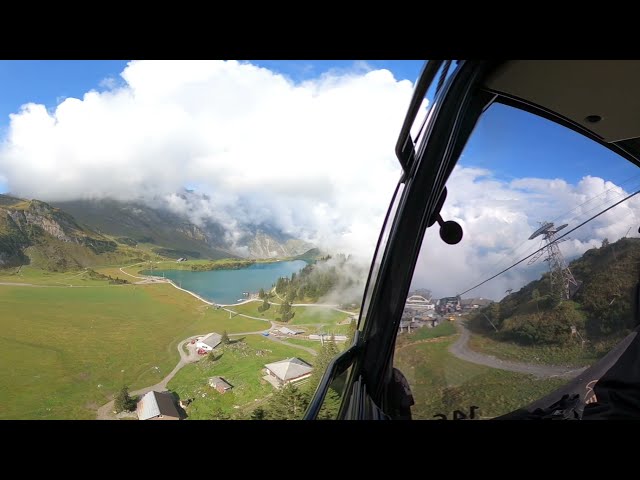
{"points": [[601, 308]]}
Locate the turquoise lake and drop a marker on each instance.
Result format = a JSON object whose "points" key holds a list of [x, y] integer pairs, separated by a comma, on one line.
{"points": [[227, 286]]}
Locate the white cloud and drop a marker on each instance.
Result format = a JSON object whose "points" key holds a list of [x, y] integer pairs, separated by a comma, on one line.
{"points": [[498, 217], [315, 159]]}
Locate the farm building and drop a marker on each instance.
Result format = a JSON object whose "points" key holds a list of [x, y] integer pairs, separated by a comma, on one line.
{"points": [[289, 331], [157, 406], [324, 337], [209, 342], [219, 384], [286, 371]]}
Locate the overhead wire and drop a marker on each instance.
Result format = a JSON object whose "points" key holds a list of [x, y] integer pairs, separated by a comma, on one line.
{"points": [[512, 253], [554, 241]]}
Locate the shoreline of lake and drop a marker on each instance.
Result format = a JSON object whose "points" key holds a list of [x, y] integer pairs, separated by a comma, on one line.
{"points": [[229, 286]]}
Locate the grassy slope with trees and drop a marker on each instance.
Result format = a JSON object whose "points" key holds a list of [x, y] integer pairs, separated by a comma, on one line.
{"points": [[302, 315], [535, 326], [241, 364], [327, 275]]}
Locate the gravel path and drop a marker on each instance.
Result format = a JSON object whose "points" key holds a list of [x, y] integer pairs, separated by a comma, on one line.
{"points": [[302, 347], [105, 412], [461, 350]]}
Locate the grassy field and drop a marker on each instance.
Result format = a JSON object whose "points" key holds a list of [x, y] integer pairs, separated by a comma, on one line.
{"points": [[571, 355], [441, 383], [251, 308], [36, 276], [316, 345], [422, 333], [241, 365], [65, 351], [304, 315], [309, 315], [220, 264], [114, 271]]}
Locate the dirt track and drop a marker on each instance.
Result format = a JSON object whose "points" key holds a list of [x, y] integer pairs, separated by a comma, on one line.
{"points": [[105, 412], [461, 350]]}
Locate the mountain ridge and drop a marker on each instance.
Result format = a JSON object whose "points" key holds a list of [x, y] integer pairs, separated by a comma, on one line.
{"points": [[134, 228], [54, 236]]}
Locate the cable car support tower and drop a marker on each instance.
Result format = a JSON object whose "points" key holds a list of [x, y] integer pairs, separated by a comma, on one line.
{"points": [[563, 283]]}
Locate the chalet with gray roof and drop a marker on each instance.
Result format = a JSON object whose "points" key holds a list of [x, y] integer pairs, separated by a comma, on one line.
{"points": [[291, 370], [157, 406], [209, 342], [219, 384]]}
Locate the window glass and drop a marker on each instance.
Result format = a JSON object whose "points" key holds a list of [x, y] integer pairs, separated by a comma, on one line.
{"points": [[483, 343], [200, 227]]}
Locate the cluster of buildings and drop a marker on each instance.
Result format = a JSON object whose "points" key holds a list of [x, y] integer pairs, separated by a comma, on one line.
{"points": [[156, 405], [421, 310], [456, 304], [449, 305]]}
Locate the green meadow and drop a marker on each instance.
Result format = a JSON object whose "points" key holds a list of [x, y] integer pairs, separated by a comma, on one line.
{"points": [[303, 315], [241, 364], [64, 350], [442, 383]]}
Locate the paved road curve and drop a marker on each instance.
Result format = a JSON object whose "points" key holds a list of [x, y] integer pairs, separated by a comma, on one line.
{"points": [[461, 350]]}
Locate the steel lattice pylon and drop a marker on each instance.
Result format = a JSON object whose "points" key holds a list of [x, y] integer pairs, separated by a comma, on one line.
{"points": [[562, 280]]}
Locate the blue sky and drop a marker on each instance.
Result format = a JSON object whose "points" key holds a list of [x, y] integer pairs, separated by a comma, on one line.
{"points": [[47, 81], [515, 144], [512, 144]]}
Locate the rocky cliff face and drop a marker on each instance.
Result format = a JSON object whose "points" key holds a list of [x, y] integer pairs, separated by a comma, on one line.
{"points": [[25, 220], [263, 245], [26, 223], [193, 232]]}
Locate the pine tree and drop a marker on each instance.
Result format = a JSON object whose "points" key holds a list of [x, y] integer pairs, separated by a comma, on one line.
{"points": [[124, 402], [259, 414], [265, 305], [330, 406], [288, 403], [225, 338], [285, 311], [261, 293], [327, 352]]}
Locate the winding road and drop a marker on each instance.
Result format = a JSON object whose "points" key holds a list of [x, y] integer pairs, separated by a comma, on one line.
{"points": [[461, 350]]}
